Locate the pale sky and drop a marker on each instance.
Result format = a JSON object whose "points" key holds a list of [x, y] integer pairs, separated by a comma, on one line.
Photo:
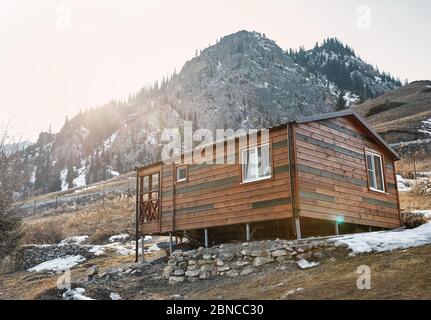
{"points": [[57, 57]]}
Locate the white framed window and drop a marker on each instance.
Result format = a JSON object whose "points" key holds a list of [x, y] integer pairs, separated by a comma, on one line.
{"points": [[256, 163], [376, 177], [181, 174]]}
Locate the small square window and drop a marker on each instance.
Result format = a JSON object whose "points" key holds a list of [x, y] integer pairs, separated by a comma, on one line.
{"points": [[376, 178], [181, 174]]}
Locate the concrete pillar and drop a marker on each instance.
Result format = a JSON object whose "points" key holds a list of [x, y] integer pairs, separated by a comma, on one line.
{"points": [[206, 238], [247, 232], [170, 242]]}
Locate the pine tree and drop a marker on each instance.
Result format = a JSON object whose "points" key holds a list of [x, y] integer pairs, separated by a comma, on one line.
{"points": [[341, 102], [70, 176]]}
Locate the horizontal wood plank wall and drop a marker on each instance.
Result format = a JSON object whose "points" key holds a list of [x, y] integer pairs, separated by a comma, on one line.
{"points": [[214, 196], [333, 175]]}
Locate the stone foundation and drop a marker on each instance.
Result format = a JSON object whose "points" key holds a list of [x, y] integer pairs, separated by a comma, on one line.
{"points": [[234, 260]]}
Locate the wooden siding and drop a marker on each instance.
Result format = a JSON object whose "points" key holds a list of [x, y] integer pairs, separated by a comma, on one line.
{"points": [[214, 196], [332, 173]]}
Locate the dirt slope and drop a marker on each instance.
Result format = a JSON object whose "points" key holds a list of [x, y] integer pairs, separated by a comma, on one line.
{"points": [[398, 114]]}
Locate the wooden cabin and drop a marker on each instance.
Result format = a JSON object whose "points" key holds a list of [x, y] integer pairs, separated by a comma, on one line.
{"points": [[326, 175]]}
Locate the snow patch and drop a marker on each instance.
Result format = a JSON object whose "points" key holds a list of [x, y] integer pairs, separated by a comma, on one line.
{"points": [[387, 240], [75, 294], [119, 237], [74, 240], [425, 213], [58, 264], [304, 264], [115, 296]]}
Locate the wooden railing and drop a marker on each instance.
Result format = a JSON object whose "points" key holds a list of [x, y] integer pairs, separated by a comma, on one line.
{"points": [[149, 211]]}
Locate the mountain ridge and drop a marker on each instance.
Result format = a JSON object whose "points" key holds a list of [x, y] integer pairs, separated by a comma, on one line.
{"points": [[245, 80]]}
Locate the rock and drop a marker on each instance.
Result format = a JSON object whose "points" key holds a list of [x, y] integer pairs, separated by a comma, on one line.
{"points": [[232, 274], [192, 273], [207, 267], [128, 271], [247, 271], [207, 256], [260, 261], [224, 268], [175, 297], [167, 271], [246, 252], [205, 275], [219, 262], [240, 263], [278, 253], [318, 255], [260, 253], [194, 267], [175, 280], [177, 253], [179, 272], [300, 250], [192, 262], [182, 264], [227, 256]]}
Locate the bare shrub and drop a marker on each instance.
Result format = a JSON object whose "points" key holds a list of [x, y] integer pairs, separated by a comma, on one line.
{"points": [[49, 232], [11, 178], [422, 188], [412, 220]]}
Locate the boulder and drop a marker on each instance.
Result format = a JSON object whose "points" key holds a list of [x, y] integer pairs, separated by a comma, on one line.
{"points": [[279, 253], [260, 261], [175, 280], [192, 273]]}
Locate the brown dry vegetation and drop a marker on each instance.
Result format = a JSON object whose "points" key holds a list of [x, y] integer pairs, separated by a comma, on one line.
{"points": [[406, 167], [97, 221]]}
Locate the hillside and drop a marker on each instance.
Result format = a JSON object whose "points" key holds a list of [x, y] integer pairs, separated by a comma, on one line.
{"points": [[402, 115], [245, 80]]}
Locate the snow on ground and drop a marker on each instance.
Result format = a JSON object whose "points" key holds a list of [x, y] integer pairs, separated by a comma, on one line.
{"points": [[74, 240], [425, 213], [75, 294], [113, 173], [58, 264], [426, 127], [63, 175], [107, 144], [350, 98], [115, 296], [80, 181], [404, 185], [304, 264], [387, 240], [124, 249], [119, 237]]}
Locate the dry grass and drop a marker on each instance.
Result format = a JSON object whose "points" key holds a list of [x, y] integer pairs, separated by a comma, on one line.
{"points": [[117, 216], [410, 201], [406, 167]]}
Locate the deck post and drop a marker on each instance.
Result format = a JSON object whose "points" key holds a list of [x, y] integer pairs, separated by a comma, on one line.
{"points": [[170, 243], [337, 231], [143, 248], [298, 229], [247, 232], [136, 217], [206, 237]]}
